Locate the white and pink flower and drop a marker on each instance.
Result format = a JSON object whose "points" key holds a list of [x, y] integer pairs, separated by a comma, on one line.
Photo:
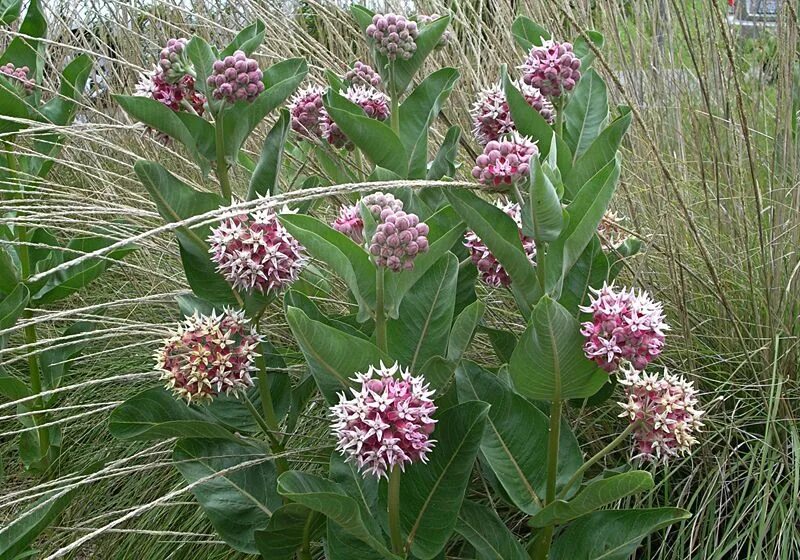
{"points": [[552, 68]]}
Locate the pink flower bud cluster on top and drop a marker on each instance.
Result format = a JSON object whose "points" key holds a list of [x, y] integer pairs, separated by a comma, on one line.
{"points": [[374, 103], [625, 327], [307, 111], [377, 202], [349, 221], [552, 68], [505, 162], [18, 76], [664, 411], [236, 78], [491, 271], [398, 239], [491, 116], [386, 422], [446, 37], [394, 36], [209, 355], [173, 61], [362, 74], [255, 252]]}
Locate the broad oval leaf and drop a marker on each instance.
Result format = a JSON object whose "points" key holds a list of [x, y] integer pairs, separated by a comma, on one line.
{"points": [[527, 33], [287, 530], [548, 364], [237, 500], [600, 153], [585, 113], [264, 181], [19, 534], [24, 49], [612, 534], [12, 306], [527, 120], [543, 210], [487, 533], [463, 329]]}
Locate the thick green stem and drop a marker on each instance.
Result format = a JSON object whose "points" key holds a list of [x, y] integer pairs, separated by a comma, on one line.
{"points": [[394, 510], [305, 550], [222, 165], [380, 310], [594, 459], [559, 106], [542, 546], [270, 418]]}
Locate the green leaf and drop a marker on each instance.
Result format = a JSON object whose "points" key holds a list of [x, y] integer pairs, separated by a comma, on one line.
{"points": [[426, 315], [527, 120], [585, 212], [501, 235], [26, 49], [590, 270], [9, 271], [503, 342], [332, 355], [543, 211], [443, 164], [11, 105], [595, 495], [431, 494], [286, 531], [625, 250], [612, 534], [528, 33], [417, 114], [585, 113], [517, 457], [237, 502], [9, 11], [463, 329], [12, 388], [157, 414], [19, 534], [487, 533], [247, 40], [582, 50], [347, 259], [374, 138], [548, 363], [602, 151], [202, 58], [12, 306], [264, 180], [55, 361], [330, 499]]}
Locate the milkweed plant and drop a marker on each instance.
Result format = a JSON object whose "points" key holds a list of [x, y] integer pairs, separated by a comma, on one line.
{"points": [[430, 446]]}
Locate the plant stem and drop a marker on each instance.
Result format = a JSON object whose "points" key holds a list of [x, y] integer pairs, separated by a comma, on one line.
{"points": [[394, 510], [222, 165], [542, 546], [305, 550], [395, 116], [380, 310], [270, 419], [594, 459], [560, 116]]}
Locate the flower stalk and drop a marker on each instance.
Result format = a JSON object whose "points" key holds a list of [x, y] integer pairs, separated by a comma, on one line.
{"points": [[222, 165], [380, 309], [394, 510]]}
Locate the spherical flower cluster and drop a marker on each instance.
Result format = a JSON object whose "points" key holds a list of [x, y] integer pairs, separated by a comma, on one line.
{"points": [[256, 252], [394, 36], [663, 409], [446, 37], [362, 74], [307, 111], [611, 233], [490, 270], [349, 222], [377, 202], [504, 162], [386, 423], [552, 68], [173, 61], [18, 76], [491, 116], [178, 96], [374, 103], [398, 239], [209, 355], [625, 326], [236, 78]]}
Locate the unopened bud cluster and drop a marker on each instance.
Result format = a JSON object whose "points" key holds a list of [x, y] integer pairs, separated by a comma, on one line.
{"points": [[394, 36], [552, 67], [362, 74], [505, 162], [307, 111], [18, 76], [173, 60], [236, 78], [398, 239]]}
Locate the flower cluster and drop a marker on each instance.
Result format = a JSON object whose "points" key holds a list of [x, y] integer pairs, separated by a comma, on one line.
{"points": [[490, 270], [256, 252], [505, 162], [374, 103], [386, 422], [173, 62], [625, 326], [362, 74], [446, 37], [398, 239], [491, 117], [236, 78], [552, 68], [307, 111], [349, 222], [377, 202], [663, 409], [611, 233], [209, 355], [394, 36], [18, 76], [178, 96]]}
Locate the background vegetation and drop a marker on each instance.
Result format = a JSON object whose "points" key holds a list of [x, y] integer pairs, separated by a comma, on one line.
{"points": [[709, 183]]}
